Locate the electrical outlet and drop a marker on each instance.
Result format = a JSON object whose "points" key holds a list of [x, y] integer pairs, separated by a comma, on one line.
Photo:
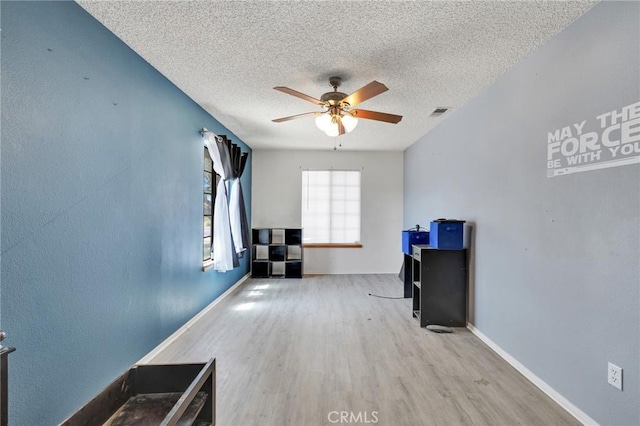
{"points": [[614, 376]]}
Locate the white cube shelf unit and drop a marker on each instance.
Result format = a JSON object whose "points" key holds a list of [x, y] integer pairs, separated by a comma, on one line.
{"points": [[276, 252]]}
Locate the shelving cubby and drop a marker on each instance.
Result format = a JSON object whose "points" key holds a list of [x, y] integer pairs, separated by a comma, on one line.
{"points": [[277, 252]]}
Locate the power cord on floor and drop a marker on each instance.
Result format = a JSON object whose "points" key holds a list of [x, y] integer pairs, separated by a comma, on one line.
{"points": [[385, 297]]}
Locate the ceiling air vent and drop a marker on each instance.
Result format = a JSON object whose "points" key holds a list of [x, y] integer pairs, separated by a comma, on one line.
{"points": [[439, 111]]}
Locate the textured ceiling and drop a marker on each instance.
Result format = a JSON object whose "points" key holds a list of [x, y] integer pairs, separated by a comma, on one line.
{"points": [[228, 56]]}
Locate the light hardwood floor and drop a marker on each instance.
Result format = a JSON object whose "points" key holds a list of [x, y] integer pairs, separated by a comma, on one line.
{"points": [[294, 352]]}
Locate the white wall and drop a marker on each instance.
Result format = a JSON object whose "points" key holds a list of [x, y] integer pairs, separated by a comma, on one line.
{"points": [[276, 202]]}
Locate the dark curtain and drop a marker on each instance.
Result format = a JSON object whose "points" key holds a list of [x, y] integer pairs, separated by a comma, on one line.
{"points": [[239, 224]]}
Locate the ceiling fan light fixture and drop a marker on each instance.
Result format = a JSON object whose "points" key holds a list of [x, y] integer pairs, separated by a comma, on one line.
{"points": [[337, 117], [349, 122], [332, 129], [323, 121], [332, 123]]}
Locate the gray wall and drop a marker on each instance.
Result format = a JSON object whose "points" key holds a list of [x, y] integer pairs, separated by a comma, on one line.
{"points": [[101, 208], [556, 281]]}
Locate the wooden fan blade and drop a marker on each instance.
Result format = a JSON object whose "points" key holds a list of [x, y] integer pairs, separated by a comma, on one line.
{"points": [[374, 115], [299, 95], [293, 117], [367, 92]]}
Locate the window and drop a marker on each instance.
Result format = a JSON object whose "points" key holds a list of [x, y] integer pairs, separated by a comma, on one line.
{"points": [[211, 180], [331, 207]]}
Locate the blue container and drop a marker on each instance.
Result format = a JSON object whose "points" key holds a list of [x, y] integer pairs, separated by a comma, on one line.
{"points": [[446, 234], [410, 238]]}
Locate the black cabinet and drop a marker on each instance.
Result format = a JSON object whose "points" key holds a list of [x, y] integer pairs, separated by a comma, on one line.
{"points": [[439, 286], [277, 252]]}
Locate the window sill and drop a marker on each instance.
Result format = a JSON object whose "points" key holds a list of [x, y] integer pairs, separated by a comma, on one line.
{"points": [[331, 245], [207, 264]]}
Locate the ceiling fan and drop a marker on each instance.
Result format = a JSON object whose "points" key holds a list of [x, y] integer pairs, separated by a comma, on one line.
{"points": [[337, 117]]}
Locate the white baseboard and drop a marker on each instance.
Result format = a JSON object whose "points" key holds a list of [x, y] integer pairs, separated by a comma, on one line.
{"points": [[580, 415], [155, 351]]}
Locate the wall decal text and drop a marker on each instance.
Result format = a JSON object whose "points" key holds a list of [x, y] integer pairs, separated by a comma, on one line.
{"points": [[578, 148]]}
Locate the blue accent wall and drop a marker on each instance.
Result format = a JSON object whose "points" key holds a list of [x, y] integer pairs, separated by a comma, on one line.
{"points": [[101, 190]]}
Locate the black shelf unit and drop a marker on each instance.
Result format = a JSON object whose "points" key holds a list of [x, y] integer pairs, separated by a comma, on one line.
{"points": [[277, 252], [439, 284]]}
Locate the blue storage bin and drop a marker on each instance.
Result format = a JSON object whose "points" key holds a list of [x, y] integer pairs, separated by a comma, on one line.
{"points": [[446, 234], [410, 238]]}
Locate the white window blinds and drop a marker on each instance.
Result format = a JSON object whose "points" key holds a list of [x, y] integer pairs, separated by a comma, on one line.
{"points": [[331, 206]]}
